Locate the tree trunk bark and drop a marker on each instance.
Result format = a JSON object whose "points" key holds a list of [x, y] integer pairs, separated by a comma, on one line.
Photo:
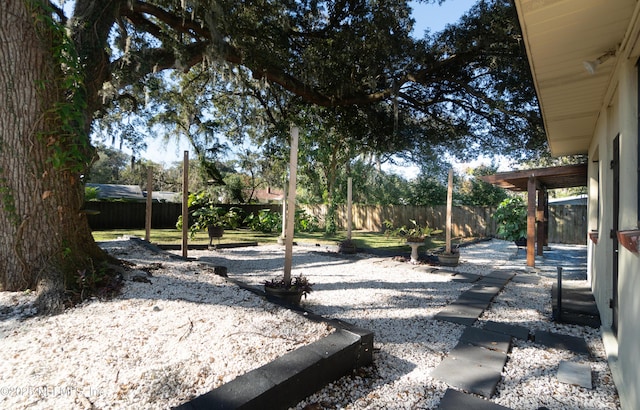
{"points": [[45, 239]]}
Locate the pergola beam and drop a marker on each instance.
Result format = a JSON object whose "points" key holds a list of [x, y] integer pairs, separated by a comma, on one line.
{"points": [[537, 182]]}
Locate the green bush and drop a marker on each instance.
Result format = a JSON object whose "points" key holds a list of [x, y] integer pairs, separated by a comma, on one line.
{"points": [[204, 212], [91, 193], [234, 217], [305, 222], [511, 217], [265, 221]]}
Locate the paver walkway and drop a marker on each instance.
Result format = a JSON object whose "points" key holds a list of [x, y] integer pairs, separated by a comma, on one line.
{"points": [[475, 364]]}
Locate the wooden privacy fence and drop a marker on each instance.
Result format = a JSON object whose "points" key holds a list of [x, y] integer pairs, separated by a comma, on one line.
{"points": [[466, 221], [567, 223]]}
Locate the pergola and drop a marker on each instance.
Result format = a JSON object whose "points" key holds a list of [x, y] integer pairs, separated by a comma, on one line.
{"points": [[537, 182]]}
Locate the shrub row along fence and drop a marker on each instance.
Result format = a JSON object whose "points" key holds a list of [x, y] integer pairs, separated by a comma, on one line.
{"points": [[567, 223]]}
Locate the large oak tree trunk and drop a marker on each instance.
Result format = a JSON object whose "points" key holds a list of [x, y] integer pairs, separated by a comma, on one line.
{"points": [[45, 239]]}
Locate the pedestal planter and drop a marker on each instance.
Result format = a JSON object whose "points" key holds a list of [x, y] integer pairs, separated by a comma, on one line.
{"points": [[449, 259], [214, 232], [290, 296], [521, 242], [414, 250]]}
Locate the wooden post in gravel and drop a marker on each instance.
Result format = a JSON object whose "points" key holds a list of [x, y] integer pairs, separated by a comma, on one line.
{"points": [[185, 204], [291, 204], [447, 228], [283, 232], [147, 224], [349, 205]]}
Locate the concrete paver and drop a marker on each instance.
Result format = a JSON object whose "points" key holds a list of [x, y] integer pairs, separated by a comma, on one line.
{"points": [[519, 332], [578, 374], [560, 341], [466, 277], [485, 293], [455, 400], [491, 340], [468, 376], [501, 274], [488, 358], [460, 314]]}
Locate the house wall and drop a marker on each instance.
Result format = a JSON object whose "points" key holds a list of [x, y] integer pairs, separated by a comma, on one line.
{"points": [[619, 116]]}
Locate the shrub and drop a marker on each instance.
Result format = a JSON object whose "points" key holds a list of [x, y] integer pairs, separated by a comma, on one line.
{"points": [[511, 217], [265, 221]]}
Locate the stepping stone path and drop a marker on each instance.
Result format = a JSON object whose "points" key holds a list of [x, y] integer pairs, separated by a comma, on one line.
{"points": [[476, 363], [470, 304]]}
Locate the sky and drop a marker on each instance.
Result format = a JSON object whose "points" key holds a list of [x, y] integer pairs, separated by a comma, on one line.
{"points": [[427, 16]]}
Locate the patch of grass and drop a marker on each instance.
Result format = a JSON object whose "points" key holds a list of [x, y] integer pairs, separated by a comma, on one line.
{"points": [[173, 236], [363, 239]]}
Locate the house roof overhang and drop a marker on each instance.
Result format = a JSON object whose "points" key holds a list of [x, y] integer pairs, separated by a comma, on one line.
{"points": [[559, 36], [567, 176]]}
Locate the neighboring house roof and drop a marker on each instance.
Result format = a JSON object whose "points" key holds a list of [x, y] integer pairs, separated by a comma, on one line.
{"points": [[113, 191], [165, 196], [560, 37], [268, 195], [569, 200]]}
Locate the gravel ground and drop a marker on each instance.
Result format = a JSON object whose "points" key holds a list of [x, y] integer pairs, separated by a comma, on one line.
{"points": [[189, 331]]}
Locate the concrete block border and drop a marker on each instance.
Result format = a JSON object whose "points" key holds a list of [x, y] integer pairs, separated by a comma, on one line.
{"points": [[291, 378], [294, 376]]}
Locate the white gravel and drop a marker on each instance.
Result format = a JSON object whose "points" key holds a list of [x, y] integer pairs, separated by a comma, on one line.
{"points": [[188, 331]]}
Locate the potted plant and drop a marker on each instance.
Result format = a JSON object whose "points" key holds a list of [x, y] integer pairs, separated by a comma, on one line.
{"points": [[212, 218], [204, 214], [449, 257], [290, 291], [511, 218], [414, 236], [347, 246]]}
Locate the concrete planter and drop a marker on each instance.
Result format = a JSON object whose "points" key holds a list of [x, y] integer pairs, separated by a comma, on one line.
{"points": [[214, 232], [521, 242]]}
